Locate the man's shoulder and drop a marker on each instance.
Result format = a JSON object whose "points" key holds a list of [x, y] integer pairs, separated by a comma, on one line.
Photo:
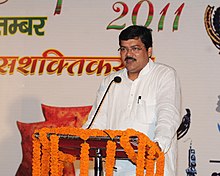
{"points": [[163, 66]]}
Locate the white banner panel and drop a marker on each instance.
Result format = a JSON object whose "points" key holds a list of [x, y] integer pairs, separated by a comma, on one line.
{"points": [[36, 35]]}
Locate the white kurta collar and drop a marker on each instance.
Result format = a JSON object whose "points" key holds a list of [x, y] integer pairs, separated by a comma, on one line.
{"points": [[144, 71]]}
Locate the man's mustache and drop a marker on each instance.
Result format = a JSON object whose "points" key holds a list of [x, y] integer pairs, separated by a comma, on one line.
{"points": [[130, 58]]}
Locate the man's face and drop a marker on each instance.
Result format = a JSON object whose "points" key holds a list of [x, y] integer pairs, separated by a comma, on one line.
{"points": [[134, 55]]}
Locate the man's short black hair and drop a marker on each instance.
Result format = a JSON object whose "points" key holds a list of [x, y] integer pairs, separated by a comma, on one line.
{"points": [[136, 32]]}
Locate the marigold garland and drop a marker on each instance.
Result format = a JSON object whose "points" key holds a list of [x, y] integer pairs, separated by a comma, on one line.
{"points": [[61, 167], [53, 158], [124, 142], [36, 161], [141, 155], [160, 164], [84, 159], [45, 168], [110, 158]]}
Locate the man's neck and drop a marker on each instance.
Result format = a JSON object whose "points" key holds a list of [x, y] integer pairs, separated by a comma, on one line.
{"points": [[133, 76]]}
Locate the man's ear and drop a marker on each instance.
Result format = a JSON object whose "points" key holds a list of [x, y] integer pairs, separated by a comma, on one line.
{"points": [[149, 52]]}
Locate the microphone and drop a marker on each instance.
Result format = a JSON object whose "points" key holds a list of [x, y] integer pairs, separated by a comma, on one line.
{"points": [[116, 79]]}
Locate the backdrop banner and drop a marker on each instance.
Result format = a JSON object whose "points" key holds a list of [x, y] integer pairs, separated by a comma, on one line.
{"points": [[55, 53]]}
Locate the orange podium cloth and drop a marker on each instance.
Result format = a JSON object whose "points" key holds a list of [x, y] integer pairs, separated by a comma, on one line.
{"points": [[52, 147]]}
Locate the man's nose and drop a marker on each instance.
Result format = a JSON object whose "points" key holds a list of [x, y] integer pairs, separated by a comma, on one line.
{"points": [[129, 52]]}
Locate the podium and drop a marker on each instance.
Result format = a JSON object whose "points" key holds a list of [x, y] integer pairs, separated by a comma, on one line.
{"points": [[52, 146], [71, 145]]}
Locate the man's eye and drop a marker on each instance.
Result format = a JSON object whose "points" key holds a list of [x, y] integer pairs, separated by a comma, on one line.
{"points": [[135, 48]]}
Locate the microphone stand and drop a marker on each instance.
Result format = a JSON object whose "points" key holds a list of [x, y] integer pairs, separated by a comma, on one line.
{"points": [[98, 157], [100, 104]]}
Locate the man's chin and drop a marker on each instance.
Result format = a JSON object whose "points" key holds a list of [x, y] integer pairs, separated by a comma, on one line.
{"points": [[130, 68]]}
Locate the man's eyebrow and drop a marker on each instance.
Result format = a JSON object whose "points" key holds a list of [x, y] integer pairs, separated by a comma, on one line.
{"points": [[131, 46]]}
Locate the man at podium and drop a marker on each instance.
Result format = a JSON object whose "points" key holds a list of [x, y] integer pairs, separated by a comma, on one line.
{"points": [[145, 96]]}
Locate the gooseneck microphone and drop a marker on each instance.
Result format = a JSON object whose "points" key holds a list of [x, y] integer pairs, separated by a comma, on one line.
{"points": [[116, 79]]}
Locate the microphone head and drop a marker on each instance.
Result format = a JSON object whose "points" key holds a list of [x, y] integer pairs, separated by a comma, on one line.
{"points": [[117, 79]]}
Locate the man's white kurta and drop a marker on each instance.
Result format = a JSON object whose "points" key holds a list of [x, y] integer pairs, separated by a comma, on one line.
{"points": [[150, 104]]}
